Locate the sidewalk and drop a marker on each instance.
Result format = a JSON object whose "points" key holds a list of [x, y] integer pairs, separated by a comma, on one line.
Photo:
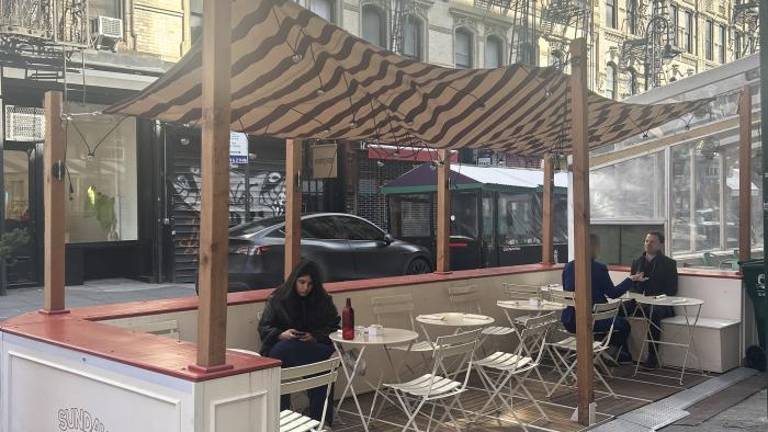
{"points": [[747, 416], [105, 291]]}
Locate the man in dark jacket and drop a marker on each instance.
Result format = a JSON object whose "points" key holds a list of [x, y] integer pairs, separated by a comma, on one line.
{"points": [[602, 289], [660, 278]]}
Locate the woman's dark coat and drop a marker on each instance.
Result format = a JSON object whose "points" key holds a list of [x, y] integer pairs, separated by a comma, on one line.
{"points": [[285, 309]]}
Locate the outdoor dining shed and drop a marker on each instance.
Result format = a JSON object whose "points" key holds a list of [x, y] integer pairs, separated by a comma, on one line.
{"points": [[270, 67], [496, 217]]}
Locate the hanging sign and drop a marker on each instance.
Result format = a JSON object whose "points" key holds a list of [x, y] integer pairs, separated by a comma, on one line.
{"points": [[238, 148], [324, 161]]}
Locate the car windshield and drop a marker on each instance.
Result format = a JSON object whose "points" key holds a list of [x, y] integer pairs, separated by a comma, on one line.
{"points": [[251, 228]]}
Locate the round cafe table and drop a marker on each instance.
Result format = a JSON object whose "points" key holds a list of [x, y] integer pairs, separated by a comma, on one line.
{"points": [[690, 323], [385, 337]]}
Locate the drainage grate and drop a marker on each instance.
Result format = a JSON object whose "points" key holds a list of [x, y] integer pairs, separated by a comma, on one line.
{"points": [[620, 425], [654, 416], [667, 411]]}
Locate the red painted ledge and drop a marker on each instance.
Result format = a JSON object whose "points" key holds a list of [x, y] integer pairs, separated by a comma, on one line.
{"points": [[143, 350]]}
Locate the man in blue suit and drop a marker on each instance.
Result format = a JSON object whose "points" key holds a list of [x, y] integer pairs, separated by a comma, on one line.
{"points": [[602, 290]]}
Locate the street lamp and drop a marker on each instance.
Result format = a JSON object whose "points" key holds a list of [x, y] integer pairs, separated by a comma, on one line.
{"points": [[657, 26]]}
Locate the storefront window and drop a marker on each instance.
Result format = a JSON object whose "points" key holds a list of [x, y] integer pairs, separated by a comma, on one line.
{"points": [[633, 189], [101, 162], [519, 219], [410, 215], [681, 199], [464, 220]]}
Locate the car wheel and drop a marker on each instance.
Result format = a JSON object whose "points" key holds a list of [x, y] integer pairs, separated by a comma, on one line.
{"points": [[418, 266]]}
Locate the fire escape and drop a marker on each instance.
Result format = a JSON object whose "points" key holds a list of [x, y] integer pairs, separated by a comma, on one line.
{"points": [[655, 45], [522, 46], [746, 27], [562, 21]]}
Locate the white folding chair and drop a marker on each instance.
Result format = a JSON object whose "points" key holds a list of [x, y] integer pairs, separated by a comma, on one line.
{"points": [[565, 349], [436, 388], [302, 378], [517, 365], [466, 299], [395, 311]]}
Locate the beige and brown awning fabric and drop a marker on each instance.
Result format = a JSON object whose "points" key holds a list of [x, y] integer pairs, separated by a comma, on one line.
{"points": [[294, 75]]}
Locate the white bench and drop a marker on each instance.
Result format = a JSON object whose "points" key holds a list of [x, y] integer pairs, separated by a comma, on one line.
{"points": [[716, 341]]}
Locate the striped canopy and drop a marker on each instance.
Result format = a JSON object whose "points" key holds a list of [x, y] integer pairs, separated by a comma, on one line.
{"points": [[294, 75]]}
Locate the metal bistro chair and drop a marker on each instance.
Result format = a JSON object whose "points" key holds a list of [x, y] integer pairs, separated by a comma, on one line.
{"points": [[466, 299], [302, 378], [517, 366], [436, 388], [565, 350], [396, 310]]}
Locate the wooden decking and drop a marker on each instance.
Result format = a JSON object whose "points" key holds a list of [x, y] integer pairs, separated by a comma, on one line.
{"points": [[632, 392]]}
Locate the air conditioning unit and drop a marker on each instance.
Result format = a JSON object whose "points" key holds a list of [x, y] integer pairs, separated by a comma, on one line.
{"points": [[24, 124], [108, 27]]}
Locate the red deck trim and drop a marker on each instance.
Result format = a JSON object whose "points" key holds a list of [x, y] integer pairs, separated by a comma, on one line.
{"points": [[143, 350], [81, 331], [689, 271]]}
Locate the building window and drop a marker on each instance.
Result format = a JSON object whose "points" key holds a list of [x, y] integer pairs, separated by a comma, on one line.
{"points": [[721, 43], [374, 26], [632, 16], [674, 22], [556, 59], [463, 49], [610, 81], [195, 19], [688, 37], [101, 160], [610, 13], [494, 56], [632, 82], [323, 8], [737, 45], [109, 8], [413, 41], [709, 29]]}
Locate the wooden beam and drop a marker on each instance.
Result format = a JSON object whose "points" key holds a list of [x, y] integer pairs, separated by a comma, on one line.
{"points": [[745, 174], [547, 223], [293, 189], [443, 264], [54, 158], [658, 144], [214, 211], [583, 261]]}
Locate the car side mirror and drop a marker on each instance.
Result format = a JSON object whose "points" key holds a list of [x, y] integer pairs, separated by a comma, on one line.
{"points": [[388, 239]]}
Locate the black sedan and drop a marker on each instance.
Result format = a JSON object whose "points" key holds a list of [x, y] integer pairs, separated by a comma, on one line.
{"points": [[344, 246]]}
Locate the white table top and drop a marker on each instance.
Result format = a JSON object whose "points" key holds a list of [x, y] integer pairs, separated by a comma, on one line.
{"points": [[455, 319], [668, 301], [385, 336], [525, 305]]}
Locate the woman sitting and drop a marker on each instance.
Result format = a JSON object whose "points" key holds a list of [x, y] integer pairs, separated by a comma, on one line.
{"points": [[295, 325]]}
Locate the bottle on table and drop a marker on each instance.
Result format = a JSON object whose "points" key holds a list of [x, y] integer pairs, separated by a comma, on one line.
{"points": [[348, 321]]}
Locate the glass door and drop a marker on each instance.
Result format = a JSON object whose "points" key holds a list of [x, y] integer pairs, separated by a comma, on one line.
{"points": [[20, 214]]}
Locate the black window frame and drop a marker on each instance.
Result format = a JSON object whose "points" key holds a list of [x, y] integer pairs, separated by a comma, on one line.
{"points": [[382, 17], [723, 36], [689, 33], [610, 13], [470, 55], [709, 40]]}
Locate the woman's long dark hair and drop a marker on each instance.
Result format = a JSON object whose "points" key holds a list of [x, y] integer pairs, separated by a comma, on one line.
{"points": [[288, 289]]}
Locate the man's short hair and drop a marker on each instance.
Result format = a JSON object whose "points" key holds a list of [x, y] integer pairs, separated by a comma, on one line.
{"points": [[658, 235], [594, 238]]}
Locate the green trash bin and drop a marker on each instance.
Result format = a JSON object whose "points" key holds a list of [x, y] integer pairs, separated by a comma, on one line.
{"points": [[754, 283]]}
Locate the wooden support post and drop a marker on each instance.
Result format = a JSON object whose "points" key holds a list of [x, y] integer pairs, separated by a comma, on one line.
{"points": [[443, 264], [214, 211], [54, 154], [745, 174], [547, 215], [583, 261], [293, 189]]}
